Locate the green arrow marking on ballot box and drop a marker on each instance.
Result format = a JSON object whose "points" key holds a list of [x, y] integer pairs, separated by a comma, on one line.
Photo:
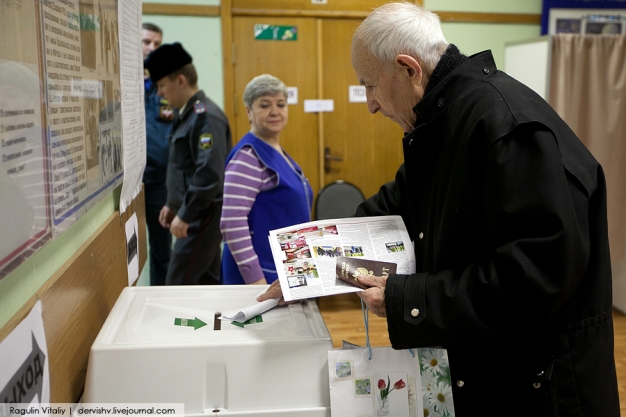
{"points": [[256, 319], [195, 323]]}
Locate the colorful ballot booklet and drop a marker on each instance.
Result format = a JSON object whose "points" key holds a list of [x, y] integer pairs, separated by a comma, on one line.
{"points": [[309, 256]]}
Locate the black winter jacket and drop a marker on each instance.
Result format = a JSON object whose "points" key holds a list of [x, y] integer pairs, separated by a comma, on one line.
{"points": [[200, 143], [507, 210]]}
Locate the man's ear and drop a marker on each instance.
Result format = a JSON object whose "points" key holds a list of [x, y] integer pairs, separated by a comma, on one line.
{"points": [[181, 80], [411, 66]]}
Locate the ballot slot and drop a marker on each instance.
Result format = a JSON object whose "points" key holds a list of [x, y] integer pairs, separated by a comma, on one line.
{"points": [[192, 314]]}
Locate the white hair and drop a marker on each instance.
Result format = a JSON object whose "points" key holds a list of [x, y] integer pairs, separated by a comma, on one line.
{"points": [[402, 28]]}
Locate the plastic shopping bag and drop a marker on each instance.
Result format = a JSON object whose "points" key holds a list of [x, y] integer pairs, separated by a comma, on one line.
{"points": [[411, 382]]}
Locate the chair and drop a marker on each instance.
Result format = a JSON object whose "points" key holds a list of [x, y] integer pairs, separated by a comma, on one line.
{"points": [[337, 200]]}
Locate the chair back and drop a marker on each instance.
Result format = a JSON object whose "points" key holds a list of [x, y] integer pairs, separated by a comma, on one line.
{"points": [[337, 200]]}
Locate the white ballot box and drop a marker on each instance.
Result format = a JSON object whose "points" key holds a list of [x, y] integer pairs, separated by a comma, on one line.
{"points": [[166, 345]]}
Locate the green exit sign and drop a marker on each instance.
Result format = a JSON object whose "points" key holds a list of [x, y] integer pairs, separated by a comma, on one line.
{"points": [[275, 33]]}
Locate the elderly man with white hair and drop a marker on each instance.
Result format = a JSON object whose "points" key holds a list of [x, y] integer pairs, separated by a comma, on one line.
{"points": [[507, 210]]}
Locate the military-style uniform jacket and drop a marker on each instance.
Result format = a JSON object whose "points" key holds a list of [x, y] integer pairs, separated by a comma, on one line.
{"points": [[507, 210], [199, 146]]}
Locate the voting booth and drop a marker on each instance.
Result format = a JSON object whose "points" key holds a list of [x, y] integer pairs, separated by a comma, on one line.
{"points": [[167, 345]]}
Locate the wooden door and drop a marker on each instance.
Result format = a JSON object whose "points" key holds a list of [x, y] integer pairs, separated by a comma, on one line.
{"points": [[294, 63], [369, 145], [318, 63]]}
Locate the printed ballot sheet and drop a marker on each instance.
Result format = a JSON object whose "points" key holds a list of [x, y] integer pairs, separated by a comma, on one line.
{"points": [[306, 254]]}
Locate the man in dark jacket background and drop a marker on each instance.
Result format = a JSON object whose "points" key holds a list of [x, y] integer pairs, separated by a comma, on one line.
{"points": [[159, 116], [507, 211]]}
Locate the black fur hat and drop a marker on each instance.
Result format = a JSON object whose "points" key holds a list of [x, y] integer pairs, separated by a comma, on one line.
{"points": [[166, 59]]}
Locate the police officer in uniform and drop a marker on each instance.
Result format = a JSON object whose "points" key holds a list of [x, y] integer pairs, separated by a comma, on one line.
{"points": [[159, 116], [200, 142]]}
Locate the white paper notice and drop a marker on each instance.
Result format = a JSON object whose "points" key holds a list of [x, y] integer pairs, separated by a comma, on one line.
{"points": [[292, 95], [356, 94], [315, 106], [132, 86], [24, 373], [132, 253]]}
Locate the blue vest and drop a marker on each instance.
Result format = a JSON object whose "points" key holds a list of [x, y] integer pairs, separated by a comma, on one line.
{"points": [[288, 203]]}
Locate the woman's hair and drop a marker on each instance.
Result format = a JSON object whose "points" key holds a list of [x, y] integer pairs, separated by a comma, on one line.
{"points": [[402, 28], [262, 85]]}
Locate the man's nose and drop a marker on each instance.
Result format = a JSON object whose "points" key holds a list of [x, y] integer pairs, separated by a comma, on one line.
{"points": [[372, 105]]}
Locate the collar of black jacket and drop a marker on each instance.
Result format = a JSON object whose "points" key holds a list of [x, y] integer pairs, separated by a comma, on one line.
{"points": [[450, 60], [454, 78]]}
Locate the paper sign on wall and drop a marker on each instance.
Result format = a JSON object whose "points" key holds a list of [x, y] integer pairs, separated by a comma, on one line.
{"points": [[24, 371], [292, 95], [132, 253], [356, 94], [315, 106]]}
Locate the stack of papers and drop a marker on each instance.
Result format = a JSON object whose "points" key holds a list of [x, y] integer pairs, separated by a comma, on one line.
{"points": [[306, 256]]}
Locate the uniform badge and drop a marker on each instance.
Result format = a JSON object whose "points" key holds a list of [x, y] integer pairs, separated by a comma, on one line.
{"points": [[206, 141], [198, 107], [166, 113]]}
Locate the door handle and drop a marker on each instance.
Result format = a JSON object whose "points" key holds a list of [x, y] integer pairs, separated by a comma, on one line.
{"points": [[328, 157]]}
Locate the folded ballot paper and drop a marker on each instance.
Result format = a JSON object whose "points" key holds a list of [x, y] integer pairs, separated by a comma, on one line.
{"points": [[253, 309]]}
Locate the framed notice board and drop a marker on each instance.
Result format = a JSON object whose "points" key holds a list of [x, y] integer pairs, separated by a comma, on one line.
{"points": [[60, 115]]}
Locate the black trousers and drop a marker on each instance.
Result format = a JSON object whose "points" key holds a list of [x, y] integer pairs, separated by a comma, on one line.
{"points": [[196, 259], [159, 238]]}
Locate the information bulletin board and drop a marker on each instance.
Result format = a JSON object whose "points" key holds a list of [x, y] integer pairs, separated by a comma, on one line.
{"points": [[60, 117]]}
